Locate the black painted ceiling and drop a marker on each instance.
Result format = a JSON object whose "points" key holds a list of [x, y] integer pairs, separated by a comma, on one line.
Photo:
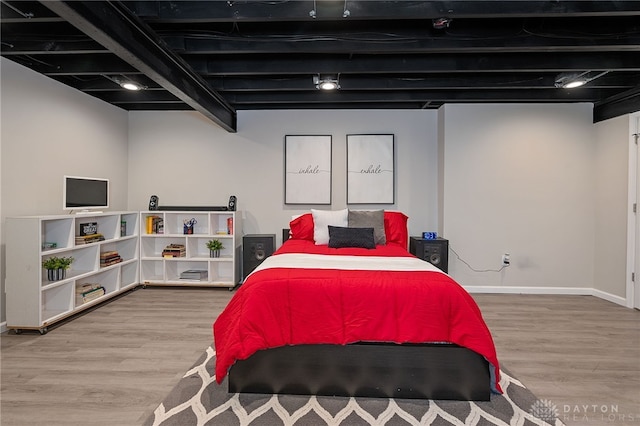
{"points": [[219, 57]]}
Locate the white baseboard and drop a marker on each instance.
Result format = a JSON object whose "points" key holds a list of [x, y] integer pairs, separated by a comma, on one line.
{"points": [[3, 327], [574, 291], [611, 298], [579, 291]]}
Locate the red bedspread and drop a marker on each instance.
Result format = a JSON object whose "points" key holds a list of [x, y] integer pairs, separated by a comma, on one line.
{"points": [[298, 305]]}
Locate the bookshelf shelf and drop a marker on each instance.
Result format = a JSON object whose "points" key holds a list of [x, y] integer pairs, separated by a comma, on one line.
{"points": [[157, 269], [34, 302]]}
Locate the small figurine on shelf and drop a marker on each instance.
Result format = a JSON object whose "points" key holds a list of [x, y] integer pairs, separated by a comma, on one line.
{"points": [[214, 247]]}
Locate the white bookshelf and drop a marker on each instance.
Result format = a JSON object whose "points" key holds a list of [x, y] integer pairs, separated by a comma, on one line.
{"points": [[34, 302], [223, 271]]}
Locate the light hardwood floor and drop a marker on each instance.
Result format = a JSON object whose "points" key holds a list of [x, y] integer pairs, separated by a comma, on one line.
{"points": [[114, 365]]}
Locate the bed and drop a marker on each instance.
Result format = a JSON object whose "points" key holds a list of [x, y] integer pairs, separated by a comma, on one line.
{"points": [[330, 313]]}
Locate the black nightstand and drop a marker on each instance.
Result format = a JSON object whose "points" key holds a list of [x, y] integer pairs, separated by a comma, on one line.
{"points": [[435, 251], [255, 249]]}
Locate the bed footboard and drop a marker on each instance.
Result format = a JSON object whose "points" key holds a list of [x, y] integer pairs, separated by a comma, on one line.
{"points": [[425, 371]]}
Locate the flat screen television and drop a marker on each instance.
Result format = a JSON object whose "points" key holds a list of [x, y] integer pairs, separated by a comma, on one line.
{"points": [[85, 193]]}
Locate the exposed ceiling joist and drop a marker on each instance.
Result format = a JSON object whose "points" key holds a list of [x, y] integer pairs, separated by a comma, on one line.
{"points": [[221, 56], [424, 64], [242, 10]]}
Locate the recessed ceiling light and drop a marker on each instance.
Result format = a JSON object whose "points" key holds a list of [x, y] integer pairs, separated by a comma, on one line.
{"points": [[576, 79], [129, 85], [326, 82], [328, 85], [574, 84], [125, 82]]}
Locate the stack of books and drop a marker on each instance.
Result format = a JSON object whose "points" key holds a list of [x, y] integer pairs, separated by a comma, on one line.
{"points": [[154, 225], [88, 292], [108, 258], [194, 274], [88, 239], [174, 250]]}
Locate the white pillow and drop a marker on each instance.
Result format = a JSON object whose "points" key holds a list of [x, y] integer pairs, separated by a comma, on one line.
{"points": [[321, 221]]}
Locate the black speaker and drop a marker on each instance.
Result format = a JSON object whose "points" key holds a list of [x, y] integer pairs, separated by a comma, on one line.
{"points": [[255, 249], [153, 202], [232, 203], [435, 251]]}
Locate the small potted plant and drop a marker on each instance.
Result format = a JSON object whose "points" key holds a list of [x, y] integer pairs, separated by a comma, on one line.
{"points": [[214, 247], [56, 267]]}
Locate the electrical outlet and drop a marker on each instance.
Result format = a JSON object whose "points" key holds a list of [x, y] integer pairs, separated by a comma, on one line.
{"points": [[506, 259]]}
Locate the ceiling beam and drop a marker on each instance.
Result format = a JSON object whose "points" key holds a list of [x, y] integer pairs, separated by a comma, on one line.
{"points": [[316, 96], [343, 105], [114, 26], [300, 10], [618, 104], [436, 63], [167, 106], [408, 37], [23, 11], [23, 46], [383, 83]]}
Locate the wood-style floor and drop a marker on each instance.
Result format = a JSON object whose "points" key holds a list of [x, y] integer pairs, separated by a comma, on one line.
{"points": [[114, 365]]}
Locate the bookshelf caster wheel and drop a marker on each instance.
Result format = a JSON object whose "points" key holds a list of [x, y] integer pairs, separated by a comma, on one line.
{"points": [[17, 331], [43, 331]]}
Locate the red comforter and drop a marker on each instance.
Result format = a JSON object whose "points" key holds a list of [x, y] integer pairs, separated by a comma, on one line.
{"points": [[279, 306]]}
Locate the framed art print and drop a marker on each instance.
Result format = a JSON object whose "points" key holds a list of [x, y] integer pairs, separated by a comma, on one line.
{"points": [[370, 169], [307, 177]]}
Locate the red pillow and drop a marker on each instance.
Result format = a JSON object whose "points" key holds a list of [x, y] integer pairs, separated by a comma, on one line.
{"points": [[395, 228], [301, 228]]}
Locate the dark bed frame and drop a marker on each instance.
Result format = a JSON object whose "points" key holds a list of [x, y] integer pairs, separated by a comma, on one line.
{"points": [[382, 370]]}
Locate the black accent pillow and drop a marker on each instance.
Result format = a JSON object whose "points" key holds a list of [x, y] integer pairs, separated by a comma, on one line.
{"points": [[340, 237]]}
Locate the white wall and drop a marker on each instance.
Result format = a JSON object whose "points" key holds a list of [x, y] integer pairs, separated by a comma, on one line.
{"points": [[49, 130], [187, 160], [519, 180]]}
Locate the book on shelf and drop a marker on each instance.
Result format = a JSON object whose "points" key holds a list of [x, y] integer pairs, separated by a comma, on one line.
{"points": [[174, 250], [109, 262], [85, 287], [154, 225], [87, 239], [158, 225], [108, 258], [194, 274], [93, 294], [88, 291]]}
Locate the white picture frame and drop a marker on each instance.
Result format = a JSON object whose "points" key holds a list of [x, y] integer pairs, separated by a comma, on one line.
{"points": [[370, 169], [307, 176]]}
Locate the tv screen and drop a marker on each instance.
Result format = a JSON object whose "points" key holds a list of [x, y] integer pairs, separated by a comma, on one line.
{"points": [[85, 193]]}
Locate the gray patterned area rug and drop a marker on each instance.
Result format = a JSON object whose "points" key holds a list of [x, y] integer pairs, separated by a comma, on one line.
{"points": [[198, 400]]}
